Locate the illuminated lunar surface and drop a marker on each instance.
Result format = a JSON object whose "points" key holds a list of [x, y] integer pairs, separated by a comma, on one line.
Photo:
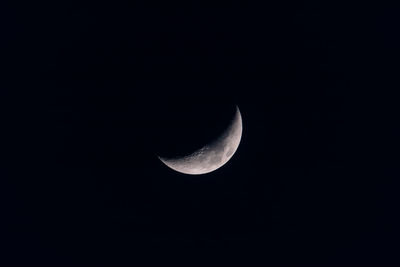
{"points": [[213, 155]]}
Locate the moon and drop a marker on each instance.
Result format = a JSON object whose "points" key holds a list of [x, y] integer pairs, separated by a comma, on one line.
{"points": [[213, 155]]}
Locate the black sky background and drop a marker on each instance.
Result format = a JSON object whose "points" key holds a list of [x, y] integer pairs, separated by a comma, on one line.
{"points": [[92, 93]]}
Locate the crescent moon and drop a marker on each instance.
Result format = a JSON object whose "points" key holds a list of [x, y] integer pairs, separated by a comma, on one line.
{"points": [[213, 155]]}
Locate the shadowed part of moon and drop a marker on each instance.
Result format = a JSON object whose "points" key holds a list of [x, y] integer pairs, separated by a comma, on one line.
{"points": [[213, 155]]}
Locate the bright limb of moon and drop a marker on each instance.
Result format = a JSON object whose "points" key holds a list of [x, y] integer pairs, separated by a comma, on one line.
{"points": [[213, 155]]}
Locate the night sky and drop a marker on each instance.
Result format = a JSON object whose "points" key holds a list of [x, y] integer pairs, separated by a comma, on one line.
{"points": [[92, 93]]}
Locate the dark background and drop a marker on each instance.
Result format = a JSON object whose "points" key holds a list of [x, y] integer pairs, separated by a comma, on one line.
{"points": [[92, 93]]}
